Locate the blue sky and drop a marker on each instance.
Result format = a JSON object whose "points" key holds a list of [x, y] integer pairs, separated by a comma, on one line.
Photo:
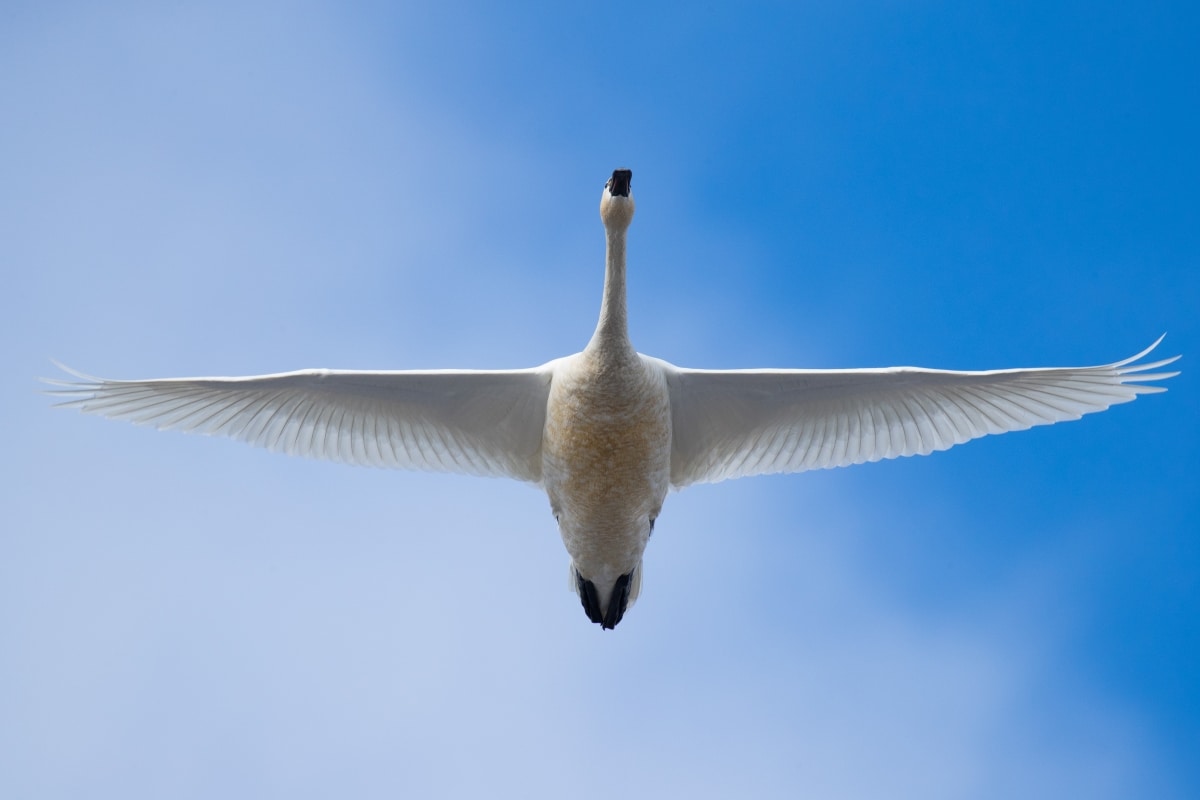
{"points": [[247, 188]]}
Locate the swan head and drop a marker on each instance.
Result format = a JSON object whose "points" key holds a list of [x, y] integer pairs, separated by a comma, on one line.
{"points": [[616, 202]]}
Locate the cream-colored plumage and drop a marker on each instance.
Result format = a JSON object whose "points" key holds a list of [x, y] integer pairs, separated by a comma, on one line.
{"points": [[608, 432], [606, 452]]}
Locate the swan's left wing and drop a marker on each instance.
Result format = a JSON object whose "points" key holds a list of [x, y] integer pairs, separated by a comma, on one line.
{"points": [[731, 424], [476, 422]]}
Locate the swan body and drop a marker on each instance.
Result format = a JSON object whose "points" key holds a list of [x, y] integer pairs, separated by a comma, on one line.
{"points": [[608, 432]]}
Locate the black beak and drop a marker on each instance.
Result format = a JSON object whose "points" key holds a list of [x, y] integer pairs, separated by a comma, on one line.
{"points": [[618, 185], [616, 604]]}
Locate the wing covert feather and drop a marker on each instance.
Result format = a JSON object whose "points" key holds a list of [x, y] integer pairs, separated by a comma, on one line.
{"points": [[476, 422], [736, 423]]}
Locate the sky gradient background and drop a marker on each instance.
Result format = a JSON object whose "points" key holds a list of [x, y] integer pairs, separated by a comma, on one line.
{"points": [[382, 186]]}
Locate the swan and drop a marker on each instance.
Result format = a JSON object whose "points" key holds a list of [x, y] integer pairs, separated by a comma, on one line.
{"points": [[608, 432]]}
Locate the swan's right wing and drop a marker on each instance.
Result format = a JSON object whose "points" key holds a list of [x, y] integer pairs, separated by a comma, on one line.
{"points": [[476, 422], [730, 424]]}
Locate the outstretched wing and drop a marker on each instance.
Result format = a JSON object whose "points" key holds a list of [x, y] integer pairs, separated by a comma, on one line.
{"points": [[732, 424], [476, 422]]}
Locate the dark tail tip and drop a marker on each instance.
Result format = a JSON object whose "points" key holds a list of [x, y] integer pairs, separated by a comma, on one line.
{"points": [[589, 598], [616, 604]]}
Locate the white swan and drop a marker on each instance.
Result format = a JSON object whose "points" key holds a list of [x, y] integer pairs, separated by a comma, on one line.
{"points": [[607, 432]]}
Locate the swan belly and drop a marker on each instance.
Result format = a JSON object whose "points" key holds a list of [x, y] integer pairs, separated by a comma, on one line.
{"points": [[606, 468]]}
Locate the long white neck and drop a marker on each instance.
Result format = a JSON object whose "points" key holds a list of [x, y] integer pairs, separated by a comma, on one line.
{"points": [[612, 331]]}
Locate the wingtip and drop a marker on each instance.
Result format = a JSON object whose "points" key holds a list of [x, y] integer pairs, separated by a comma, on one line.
{"points": [[74, 373], [76, 391], [1151, 365]]}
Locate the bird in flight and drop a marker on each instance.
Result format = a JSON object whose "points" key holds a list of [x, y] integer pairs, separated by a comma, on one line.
{"points": [[608, 432]]}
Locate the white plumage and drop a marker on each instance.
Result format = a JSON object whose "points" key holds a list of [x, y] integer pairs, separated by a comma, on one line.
{"points": [[474, 422], [737, 423], [607, 432]]}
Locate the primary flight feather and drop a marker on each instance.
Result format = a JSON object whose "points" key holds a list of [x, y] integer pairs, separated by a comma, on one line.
{"points": [[608, 432]]}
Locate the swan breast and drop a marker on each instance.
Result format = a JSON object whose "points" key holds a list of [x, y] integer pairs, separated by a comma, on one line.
{"points": [[607, 458]]}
